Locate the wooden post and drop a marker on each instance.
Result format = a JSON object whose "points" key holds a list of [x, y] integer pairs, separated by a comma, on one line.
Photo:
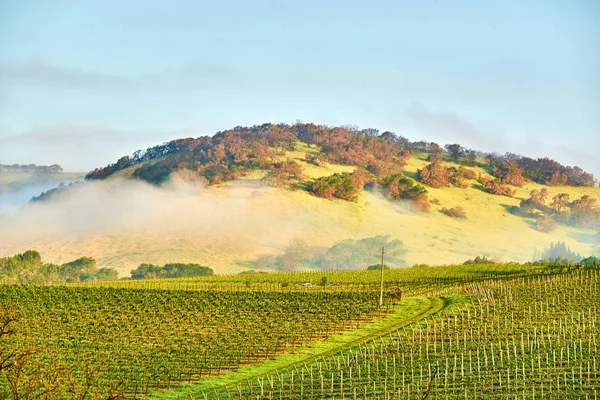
{"points": [[381, 287]]}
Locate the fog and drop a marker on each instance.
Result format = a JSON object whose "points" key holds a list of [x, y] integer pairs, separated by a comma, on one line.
{"points": [[19, 194], [123, 223]]}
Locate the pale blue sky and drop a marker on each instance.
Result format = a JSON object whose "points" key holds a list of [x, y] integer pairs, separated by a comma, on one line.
{"points": [[84, 82]]}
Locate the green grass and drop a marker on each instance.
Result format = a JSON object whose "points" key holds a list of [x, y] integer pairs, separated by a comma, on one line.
{"points": [[128, 172], [407, 312]]}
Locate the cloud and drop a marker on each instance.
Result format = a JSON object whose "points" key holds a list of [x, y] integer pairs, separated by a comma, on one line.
{"points": [[196, 75], [450, 127], [79, 148], [40, 72], [55, 135]]}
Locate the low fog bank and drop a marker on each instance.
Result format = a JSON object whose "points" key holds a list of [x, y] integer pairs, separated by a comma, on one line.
{"points": [[120, 219], [124, 223], [16, 195]]}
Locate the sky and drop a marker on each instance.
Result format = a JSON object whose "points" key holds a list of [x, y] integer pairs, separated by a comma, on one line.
{"points": [[84, 82]]}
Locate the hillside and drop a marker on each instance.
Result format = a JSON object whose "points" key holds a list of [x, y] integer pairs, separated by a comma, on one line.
{"points": [[19, 183], [226, 200]]}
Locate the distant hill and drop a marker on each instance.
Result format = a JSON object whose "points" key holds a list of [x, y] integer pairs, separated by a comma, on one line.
{"points": [[266, 186], [19, 183], [40, 169]]}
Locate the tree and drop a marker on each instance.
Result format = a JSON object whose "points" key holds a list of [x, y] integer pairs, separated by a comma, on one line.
{"points": [[510, 173], [340, 186], [435, 157], [455, 150], [545, 224], [454, 212], [560, 201], [585, 213], [590, 262], [376, 267], [494, 186], [402, 188], [288, 172], [434, 175], [557, 179], [470, 157], [294, 256], [172, 270]]}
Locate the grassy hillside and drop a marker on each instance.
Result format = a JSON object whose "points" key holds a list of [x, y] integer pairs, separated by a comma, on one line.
{"points": [[10, 181], [248, 219]]}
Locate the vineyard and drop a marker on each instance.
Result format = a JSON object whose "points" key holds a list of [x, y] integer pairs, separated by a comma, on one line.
{"points": [[152, 339], [487, 331], [532, 337]]}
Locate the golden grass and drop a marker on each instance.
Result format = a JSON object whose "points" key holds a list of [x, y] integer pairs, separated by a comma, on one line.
{"points": [[271, 217], [128, 172]]}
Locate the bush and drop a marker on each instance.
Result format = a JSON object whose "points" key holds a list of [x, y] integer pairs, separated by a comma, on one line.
{"points": [[454, 212], [376, 267], [590, 262], [435, 175], [402, 188], [146, 271], [339, 186], [465, 173], [312, 159], [283, 173], [510, 173], [494, 186], [479, 260]]}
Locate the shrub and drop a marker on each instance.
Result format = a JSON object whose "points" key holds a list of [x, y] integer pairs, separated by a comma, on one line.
{"points": [[454, 212], [175, 270], [383, 169], [435, 157], [465, 173], [479, 260], [312, 159], [590, 262], [402, 188], [510, 173], [338, 186], [376, 267], [283, 173], [435, 175], [494, 186]]}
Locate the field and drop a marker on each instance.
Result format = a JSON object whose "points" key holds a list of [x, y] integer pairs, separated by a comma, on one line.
{"points": [[482, 331]]}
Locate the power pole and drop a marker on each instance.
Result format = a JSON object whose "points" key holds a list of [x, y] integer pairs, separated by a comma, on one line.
{"points": [[381, 288]]}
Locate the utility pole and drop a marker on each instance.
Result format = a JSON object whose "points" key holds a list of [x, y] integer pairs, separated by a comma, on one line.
{"points": [[381, 291]]}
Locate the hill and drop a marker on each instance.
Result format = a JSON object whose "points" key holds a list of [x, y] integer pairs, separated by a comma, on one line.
{"points": [[19, 183], [226, 200]]}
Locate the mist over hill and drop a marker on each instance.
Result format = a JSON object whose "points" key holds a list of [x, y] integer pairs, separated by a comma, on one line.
{"points": [[227, 200], [20, 183]]}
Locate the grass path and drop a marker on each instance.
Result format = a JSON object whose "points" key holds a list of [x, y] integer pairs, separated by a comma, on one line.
{"points": [[408, 311]]}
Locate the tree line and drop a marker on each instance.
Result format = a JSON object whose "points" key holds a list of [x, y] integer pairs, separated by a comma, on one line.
{"points": [[38, 169], [173, 270], [549, 211], [347, 254], [28, 267], [232, 153]]}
